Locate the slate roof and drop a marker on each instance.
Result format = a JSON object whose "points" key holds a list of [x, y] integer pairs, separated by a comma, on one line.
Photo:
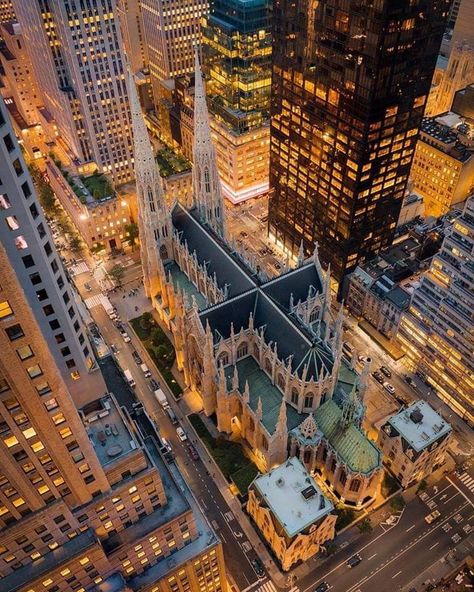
{"points": [[210, 250], [295, 282], [351, 444], [260, 386]]}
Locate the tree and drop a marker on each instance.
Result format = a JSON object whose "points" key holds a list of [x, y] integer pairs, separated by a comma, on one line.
{"points": [[422, 485], [131, 231], [47, 198], [365, 525], [146, 321], [75, 245], [116, 273], [157, 336], [397, 503], [97, 248]]}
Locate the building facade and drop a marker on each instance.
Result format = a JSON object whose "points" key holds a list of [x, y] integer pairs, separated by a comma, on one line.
{"points": [[85, 500], [77, 56], [436, 332], [260, 354], [7, 12], [345, 113], [414, 443], [443, 167], [236, 45], [129, 13], [291, 512]]}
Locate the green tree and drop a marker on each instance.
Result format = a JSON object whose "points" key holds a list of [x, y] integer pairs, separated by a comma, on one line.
{"points": [[97, 248], [422, 485], [131, 231], [157, 336], [344, 517], [146, 321], [116, 273], [397, 503], [47, 198], [365, 525], [76, 245]]}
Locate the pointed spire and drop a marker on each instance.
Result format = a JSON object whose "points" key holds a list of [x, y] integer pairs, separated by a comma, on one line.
{"points": [[363, 381], [349, 409], [235, 379], [317, 262], [251, 321], [308, 428], [259, 411], [246, 392], [301, 254], [281, 426], [207, 190]]}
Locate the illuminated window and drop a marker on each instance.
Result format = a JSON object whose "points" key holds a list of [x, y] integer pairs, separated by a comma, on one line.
{"points": [[12, 222], [25, 352], [5, 309], [29, 433], [10, 441], [37, 446], [65, 432], [19, 501], [84, 561], [34, 371]]}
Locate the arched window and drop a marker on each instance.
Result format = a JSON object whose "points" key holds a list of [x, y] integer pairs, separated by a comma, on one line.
{"points": [[355, 485], [294, 396], [307, 456], [308, 400], [251, 424], [333, 465], [314, 315], [163, 252], [263, 442], [223, 359], [151, 200], [323, 398], [207, 181], [256, 351], [242, 350], [281, 381], [343, 477], [268, 366]]}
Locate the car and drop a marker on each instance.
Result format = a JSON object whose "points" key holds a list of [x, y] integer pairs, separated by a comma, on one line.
{"points": [[125, 336], [258, 567], [181, 434], [114, 348], [432, 517], [166, 445], [363, 359], [193, 453], [386, 371], [154, 385], [378, 376], [389, 388], [323, 586], [354, 560], [136, 358]]}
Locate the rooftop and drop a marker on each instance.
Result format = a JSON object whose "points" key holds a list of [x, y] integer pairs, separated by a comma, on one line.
{"points": [[420, 425], [293, 496], [182, 282], [107, 430]]}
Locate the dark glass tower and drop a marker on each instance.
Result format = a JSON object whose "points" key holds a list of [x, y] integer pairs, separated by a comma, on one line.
{"points": [[349, 87], [236, 41]]}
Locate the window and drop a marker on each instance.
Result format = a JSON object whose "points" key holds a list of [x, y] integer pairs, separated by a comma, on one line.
{"points": [[54, 324], [25, 187], [308, 400], [294, 396], [4, 202], [12, 222], [41, 230], [65, 351], [47, 248], [14, 332], [48, 310], [355, 485], [20, 243], [70, 363], [66, 298], [35, 278], [5, 309], [34, 211], [17, 166], [54, 265], [28, 261], [9, 143], [60, 338], [25, 352], [60, 282], [51, 404], [34, 371], [43, 388], [42, 295]]}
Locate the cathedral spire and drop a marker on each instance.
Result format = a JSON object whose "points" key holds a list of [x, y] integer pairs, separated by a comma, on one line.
{"points": [[207, 190], [154, 220]]}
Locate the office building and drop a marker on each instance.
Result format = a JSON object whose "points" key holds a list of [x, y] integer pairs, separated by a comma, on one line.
{"points": [[236, 46], [77, 56], [171, 32], [85, 500], [30, 255], [345, 113], [292, 513], [443, 166], [7, 12], [436, 332], [463, 30], [414, 442], [129, 13]]}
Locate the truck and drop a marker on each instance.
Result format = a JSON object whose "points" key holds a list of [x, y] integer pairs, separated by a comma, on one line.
{"points": [[161, 398], [129, 378], [109, 309], [145, 370]]}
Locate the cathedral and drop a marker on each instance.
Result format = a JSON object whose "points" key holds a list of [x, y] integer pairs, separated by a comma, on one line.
{"points": [[264, 355]]}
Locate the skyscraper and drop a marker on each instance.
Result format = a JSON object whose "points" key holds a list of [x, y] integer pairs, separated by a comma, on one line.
{"points": [[237, 46], [85, 496], [349, 88], [77, 55], [436, 332]]}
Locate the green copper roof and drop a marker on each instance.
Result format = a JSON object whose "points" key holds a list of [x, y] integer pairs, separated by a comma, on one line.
{"points": [[351, 445], [260, 386], [180, 281]]}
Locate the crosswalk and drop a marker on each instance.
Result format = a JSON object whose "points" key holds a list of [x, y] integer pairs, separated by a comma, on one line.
{"points": [[267, 586], [467, 481], [93, 301], [81, 267]]}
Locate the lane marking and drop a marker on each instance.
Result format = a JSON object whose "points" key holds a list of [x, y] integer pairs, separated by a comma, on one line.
{"points": [[408, 529], [397, 574], [461, 492], [372, 556], [433, 546]]}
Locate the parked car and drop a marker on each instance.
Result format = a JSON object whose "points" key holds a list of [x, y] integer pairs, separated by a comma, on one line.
{"points": [[125, 336], [154, 385], [354, 560], [378, 376], [433, 516], [171, 414], [181, 434], [193, 453], [258, 567], [386, 371], [114, 348], [409, 380], [136, 358], [389, 388], [323, 586], [166, 444]]}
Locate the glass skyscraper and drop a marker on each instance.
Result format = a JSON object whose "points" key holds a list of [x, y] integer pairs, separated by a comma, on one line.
{"points": [[350, 84], [236, 38]]}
